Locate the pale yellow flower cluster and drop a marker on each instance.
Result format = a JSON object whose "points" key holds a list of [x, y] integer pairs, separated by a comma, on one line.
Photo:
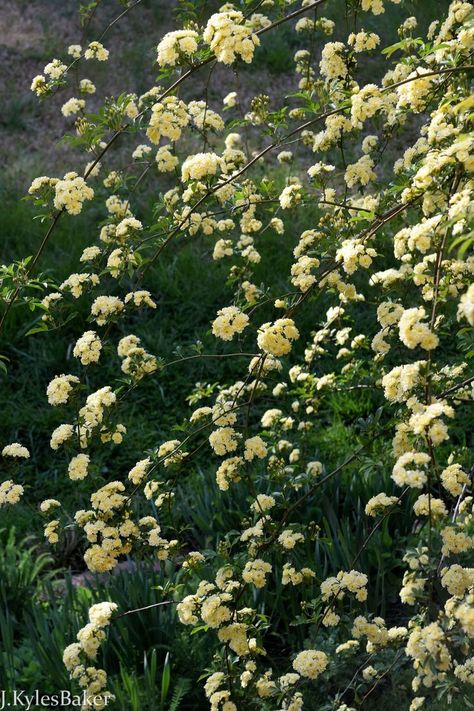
{"points": [[168, 118], [301, 274], [224, 440], [361, 172], [425, 420], [417, 237], [254, 447], [336, 126], [204, 118], [171, 452], [466, 306], [49, 504], [465, 672], [106, 308], [219, 699], [139, 471], [379, 503], [401, 380], [88, 348], [310, 663], [51, 531], [291, 196], [39, 85], [354, 253], [136, 362], [291, 576], [96, 50], [90, 253], [255, 572], [86, 86], [229, 471], [288, 539], [60, 389], [365, 103], [71, 192], [363, 41], [427, 647], [72, 106], [78, 467], [76, 283], [176, 47], [55, 70], [229, 37], [141, 151], [119, 260], [10, 493], [142, 297], [413, 332], [375, 631], [453, 479], [78, 655], [165, 160], [230, 321], [97, 403], [414, 93], [376, 6], [60, 435], [40, 183], [16, 451], [333, 64], [201, 165], [457, 580], [405, 476], [426, 505], [230, 100], [276, 338], [353, 581], [455, 541]]}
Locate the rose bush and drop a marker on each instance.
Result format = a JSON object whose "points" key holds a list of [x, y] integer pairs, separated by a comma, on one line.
{"points": [[379, 286]]}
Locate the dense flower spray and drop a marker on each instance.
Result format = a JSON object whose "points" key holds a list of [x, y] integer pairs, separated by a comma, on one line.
{"points": [[378, 322]]}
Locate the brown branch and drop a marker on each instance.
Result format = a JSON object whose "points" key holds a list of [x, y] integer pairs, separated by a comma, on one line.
{"points": [[210, 355], [453, 389], [142, 609], [31, 266], [398, 656]]}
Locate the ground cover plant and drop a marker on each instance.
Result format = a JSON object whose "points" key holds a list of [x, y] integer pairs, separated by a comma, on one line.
{"points": [[236, 347]]}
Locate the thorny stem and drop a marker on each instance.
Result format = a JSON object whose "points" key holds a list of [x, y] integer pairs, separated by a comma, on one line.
{"points": [[428, 394], [31, 266], [118, 18], [210, 355], [397, 657], [142, 609]]}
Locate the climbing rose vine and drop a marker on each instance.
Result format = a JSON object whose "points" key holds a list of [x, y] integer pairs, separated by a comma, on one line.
{"points": [[379, 285]]}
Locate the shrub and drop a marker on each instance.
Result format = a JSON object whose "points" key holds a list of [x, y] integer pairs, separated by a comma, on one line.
{"points": [[335, 425]]}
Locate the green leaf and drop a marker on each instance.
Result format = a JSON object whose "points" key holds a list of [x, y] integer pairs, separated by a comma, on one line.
{"points": [[165, 679]]}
